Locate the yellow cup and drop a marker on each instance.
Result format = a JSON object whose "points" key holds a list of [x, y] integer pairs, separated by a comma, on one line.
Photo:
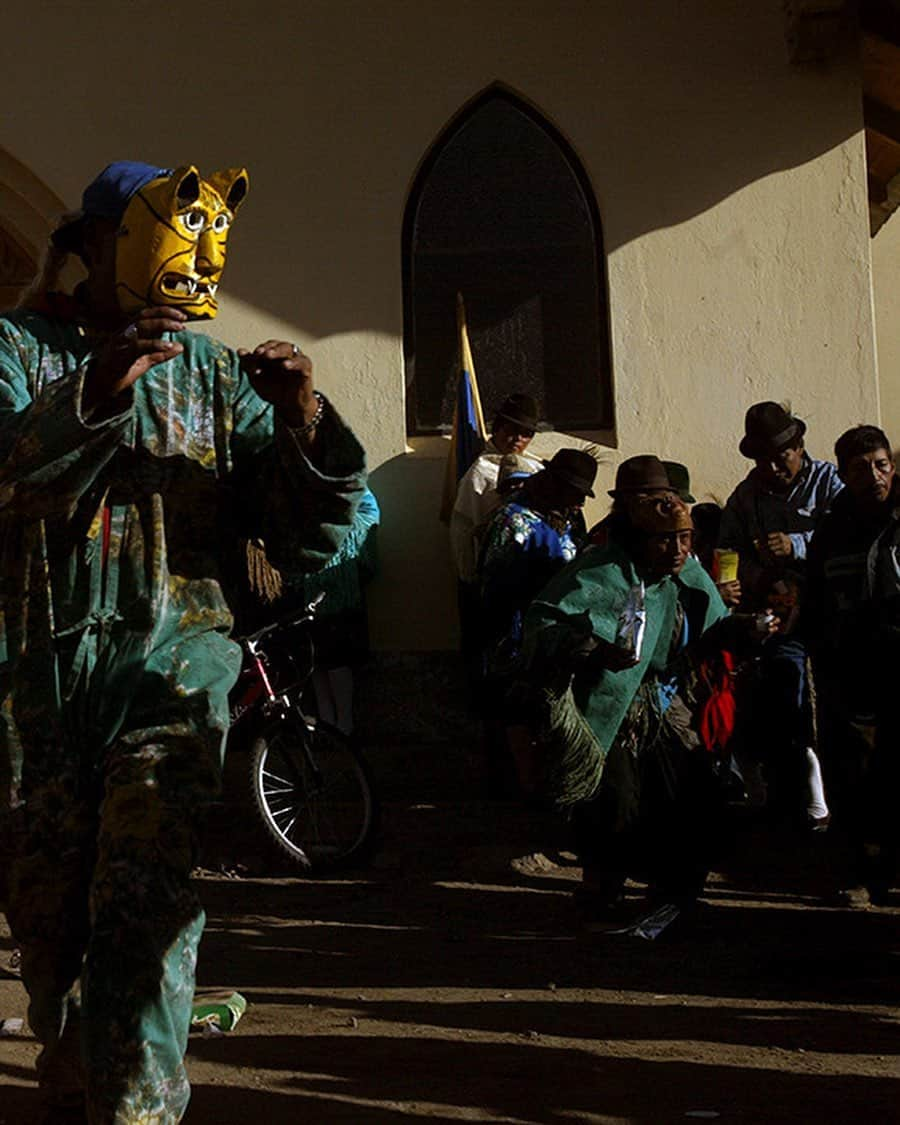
{"points": [[725, 567]]}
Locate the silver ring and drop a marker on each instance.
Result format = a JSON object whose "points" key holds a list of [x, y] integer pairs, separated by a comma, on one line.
{"points": [[295, 350], [131, 332]]}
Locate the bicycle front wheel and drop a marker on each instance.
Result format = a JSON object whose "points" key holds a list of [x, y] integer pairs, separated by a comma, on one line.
{"points": [[313, 793]]}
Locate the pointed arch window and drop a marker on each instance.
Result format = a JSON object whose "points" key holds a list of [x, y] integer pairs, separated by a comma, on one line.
{"points": [[502, 212]]}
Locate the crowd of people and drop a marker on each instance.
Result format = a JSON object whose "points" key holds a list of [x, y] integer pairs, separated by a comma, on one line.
{"points": [[635, 674], [647, 674]]}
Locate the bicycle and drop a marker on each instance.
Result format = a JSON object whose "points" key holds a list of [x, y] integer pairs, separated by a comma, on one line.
{"points": [[312, 788]]}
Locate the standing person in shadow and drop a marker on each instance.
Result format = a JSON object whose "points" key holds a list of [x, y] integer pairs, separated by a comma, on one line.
{"points": [[769, 520], [853, 616], [531, 537]]}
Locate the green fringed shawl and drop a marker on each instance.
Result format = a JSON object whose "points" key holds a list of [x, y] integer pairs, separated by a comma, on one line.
{"points": [[579, 720], [572, 756]]}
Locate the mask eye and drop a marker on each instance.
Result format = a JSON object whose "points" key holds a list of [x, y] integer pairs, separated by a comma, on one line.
{"points": [[194, 221], [220, 223]]}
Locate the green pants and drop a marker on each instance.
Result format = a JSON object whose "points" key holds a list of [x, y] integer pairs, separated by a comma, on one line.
{"points": [[100, 899]]}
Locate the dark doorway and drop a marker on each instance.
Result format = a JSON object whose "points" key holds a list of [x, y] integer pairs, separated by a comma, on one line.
{"points": [[502, 212]]}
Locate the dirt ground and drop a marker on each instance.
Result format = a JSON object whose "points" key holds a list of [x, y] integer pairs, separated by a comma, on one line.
{"points": [[446, 983]]}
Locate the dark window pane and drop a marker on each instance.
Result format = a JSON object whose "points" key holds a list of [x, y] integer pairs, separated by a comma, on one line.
{"points": [[501, 215]]}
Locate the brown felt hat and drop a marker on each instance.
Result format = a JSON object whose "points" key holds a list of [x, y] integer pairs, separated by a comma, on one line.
{"points": [[680, 480], [769, 428], [574, 467], [521, 410], [644, 473]]}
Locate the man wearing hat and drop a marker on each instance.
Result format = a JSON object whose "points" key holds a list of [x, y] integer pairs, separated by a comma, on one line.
{"points": [[527, 540], [476, 496], [770, 517], [853, 609], [636, 478], [530, 537], [605, 644], [133, 454], [477, 499], [769, 520]]}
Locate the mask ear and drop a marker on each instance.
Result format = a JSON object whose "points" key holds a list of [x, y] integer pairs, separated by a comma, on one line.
{"points": [[185, 186], [232, 185]]}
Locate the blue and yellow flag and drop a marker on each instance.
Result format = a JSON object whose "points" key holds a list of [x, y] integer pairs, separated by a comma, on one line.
{"points": [[468, 437]]}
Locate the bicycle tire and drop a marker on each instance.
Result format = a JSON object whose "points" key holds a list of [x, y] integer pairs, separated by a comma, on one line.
{"points": [[319, 822]]}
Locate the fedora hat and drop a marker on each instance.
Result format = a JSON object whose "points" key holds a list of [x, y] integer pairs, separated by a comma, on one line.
{"points": [[769, 428], [521, 410], [680, 480], [574, 467], [644, 473]]}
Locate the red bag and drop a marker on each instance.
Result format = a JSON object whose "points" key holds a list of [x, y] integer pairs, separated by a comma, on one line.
{"points": [[717, 710]]}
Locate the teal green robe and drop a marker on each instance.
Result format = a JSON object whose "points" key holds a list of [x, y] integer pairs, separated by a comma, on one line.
{"points": [[586, 599], [117, 539], [193, 457]]}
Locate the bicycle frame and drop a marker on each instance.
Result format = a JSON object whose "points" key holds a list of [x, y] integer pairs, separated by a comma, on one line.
{"points": [[260, 690], [311, 786]]}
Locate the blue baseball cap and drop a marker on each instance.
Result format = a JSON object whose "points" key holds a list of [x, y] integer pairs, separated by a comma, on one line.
{"points": [[106, 197]]}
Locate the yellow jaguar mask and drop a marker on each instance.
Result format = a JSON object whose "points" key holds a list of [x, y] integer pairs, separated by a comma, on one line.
{"points": [[171, 242]]}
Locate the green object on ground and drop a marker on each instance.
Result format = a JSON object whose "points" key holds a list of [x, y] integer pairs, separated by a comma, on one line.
{"points": [[222, 1011]]}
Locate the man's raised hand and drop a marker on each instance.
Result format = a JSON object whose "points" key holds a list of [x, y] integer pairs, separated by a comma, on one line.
{"points": [[281, 374], [128, 354]]}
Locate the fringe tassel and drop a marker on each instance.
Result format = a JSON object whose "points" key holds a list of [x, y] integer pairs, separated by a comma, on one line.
{"points": [[573, 757], [265, 581]]}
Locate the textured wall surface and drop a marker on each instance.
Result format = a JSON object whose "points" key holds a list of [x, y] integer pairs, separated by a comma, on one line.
{"points": [[886, 288], [731, 186]]}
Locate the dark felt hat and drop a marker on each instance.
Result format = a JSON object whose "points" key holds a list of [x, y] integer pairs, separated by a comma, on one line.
{"points": [[521, 410], [575, 467], [769, 428], [680, 480], [644, 473]]}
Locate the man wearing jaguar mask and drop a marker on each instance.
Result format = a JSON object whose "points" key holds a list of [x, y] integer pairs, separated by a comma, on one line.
{"points": [[128, 445]]}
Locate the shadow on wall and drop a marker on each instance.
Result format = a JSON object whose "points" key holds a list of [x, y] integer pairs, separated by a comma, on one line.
{"points": [[688, 121], [412, 602], [670, 114], [411, 609]]}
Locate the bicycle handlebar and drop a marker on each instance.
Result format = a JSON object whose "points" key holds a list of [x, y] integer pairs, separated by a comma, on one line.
{"points": [[308, 613]]}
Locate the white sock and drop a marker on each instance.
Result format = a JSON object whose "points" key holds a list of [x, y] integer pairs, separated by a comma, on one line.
{"points": [[816, 806]]}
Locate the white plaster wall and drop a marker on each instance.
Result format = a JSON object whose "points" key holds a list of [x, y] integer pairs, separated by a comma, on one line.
{"points": [[886, 286], [731, 188]]}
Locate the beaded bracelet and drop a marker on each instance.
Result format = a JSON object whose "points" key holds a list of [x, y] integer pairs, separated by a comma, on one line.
{"points": [[316, 418]]}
